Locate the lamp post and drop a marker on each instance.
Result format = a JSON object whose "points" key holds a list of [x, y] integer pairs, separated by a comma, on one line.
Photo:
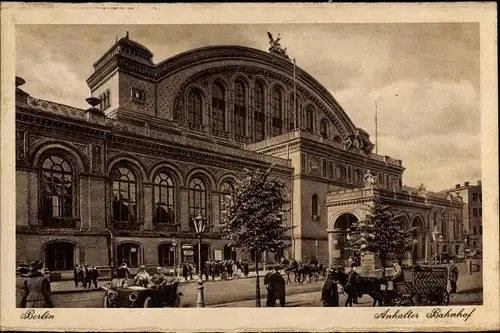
{"points": [[440, 252], [199, 225], [435, 237], [174, 245]]}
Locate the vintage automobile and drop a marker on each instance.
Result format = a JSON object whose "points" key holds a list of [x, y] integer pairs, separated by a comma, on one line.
{"points": [[133, 296]]}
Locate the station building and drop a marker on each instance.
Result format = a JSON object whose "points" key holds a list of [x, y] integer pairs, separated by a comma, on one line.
{"points": [[122, 180]]}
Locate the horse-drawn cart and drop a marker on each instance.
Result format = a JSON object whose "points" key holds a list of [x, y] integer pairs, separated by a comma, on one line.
{"points": [[421, 286]]}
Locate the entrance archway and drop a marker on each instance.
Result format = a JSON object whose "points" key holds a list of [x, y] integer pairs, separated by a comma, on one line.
{"points": [[60, 256], [342, 225], [205, 254]]}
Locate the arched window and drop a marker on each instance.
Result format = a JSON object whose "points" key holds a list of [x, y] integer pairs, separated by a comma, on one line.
{"points": [[239, 111], [259, 112], [128, 253], [197, 198], [315, 205], [195, 109], [310, 118], [218, 108], [324, 128], [277, 111], [457, 249], [226, 191], [166, 255], [164, 199], [474, 245], [57, 192], [124, 195]]}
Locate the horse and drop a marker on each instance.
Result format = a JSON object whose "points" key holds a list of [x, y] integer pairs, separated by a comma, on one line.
{"points": [[365, 286]]}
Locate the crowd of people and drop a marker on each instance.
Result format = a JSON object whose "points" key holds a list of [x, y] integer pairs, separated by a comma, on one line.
{"points": [[225, 269], [85, 274]]}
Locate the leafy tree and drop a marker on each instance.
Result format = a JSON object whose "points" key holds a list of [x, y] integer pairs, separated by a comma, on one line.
{"points": [[252, 217], [381, 233]]}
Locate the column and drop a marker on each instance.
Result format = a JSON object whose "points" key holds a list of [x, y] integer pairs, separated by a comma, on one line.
{"points": [[184, 209], [84, 202], [33, 200], [335, 245], [148, 207]]}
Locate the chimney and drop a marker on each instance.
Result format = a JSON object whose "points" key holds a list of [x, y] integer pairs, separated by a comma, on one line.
{"points": [[479, 183], [466, 184], [21, 96], [94, 115], [457, 185]]}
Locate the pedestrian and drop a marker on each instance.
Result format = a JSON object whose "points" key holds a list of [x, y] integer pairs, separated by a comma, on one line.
{"points": [[75, 275], [351, 286], [235, 271], [185, 271], [453, 276], [87, 278], [275, 285], [191, 268], [36, 289], [81, 274], [245, 268], [95, 275], [330, 291]]}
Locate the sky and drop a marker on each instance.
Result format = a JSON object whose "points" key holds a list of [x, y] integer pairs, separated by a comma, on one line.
{"points": [[424, 78]]}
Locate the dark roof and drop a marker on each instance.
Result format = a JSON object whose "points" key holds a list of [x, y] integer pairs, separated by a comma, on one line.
{"points": [[128, 41]]}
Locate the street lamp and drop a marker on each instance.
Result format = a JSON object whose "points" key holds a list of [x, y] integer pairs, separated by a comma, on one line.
{"points": [[174, 245], [435, 237], [440, 252], [199, 226]]}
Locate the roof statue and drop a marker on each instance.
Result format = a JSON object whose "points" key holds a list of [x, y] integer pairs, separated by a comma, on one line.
{"points": [[275, 47], [359, 141], [369, 179], [421, 190]]}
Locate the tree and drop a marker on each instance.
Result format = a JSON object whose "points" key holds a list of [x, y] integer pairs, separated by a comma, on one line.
{"points": [[252, 217], [381, 233]]}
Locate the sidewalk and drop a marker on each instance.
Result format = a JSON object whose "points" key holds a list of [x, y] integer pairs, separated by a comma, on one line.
{"points": [[68, 286]]}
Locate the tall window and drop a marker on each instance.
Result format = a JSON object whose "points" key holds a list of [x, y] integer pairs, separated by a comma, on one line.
{"points": [[124, 195], [166, 255], [444, 226], [324, 128], [218, 108], [310, 118], [164, 199], [57, 189], [259, 114], [239, 111], [195, 108], [197, 198], [277, 110], [226, 191], [128, 253], [315, 205]]}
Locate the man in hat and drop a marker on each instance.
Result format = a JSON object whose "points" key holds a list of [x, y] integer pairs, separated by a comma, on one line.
{"points": [[122, 275], [275, 284], [453, 276], [351, 287], [142, 277], [36, 289], [94, 274], [330, 291], [158, 277]]}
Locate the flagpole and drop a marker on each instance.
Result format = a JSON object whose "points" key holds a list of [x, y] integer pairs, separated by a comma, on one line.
{"points": [[376, 128], [295, 97]]}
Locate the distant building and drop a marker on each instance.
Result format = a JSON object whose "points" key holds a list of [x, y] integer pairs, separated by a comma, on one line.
{"points": [[473, 214], [118, 182]]}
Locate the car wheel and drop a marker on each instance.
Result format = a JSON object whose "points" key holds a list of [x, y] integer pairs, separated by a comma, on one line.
{"points": [[148, 302], [106, 302], [177, 302]]}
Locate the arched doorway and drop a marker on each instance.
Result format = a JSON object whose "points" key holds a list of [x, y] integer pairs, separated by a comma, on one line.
{"points": [[344, 224], [60, 256], [128, 253], [166, 255], [418, 252], [229, 253], [205, 254]]}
